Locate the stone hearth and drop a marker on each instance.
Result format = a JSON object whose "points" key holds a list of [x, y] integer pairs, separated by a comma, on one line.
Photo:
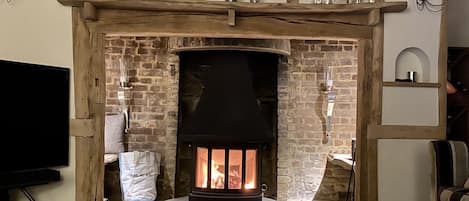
{"points": [[187, 199]]}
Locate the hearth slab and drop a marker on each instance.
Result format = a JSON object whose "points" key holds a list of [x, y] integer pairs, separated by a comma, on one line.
{"points": [[187, 199]]}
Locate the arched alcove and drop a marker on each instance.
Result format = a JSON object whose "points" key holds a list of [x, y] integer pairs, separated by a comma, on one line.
{"points": [[413, 59]]}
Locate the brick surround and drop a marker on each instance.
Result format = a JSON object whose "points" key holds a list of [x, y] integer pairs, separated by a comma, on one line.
{"points": [[153, 101], [301, 155]]}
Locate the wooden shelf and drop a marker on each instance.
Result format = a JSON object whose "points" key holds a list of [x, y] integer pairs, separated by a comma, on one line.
{"points": [[406, 132], [412, 84], [240, 7]]}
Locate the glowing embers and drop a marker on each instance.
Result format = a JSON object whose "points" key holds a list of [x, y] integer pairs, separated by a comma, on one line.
{"points": [[228, 169]]}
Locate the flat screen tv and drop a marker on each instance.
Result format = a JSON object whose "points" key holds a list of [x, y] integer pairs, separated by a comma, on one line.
{"points": [[34, 104]]}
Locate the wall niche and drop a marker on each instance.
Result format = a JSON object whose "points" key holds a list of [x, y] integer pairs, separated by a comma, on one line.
{"points": [[413, 59]]}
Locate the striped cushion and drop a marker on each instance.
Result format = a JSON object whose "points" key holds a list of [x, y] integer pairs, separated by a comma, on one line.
{"points": [[455, 194], [465, 197], [452, 163]]}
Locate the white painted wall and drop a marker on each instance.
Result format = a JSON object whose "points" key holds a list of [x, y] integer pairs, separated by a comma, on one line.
{"points": [[405, 166], [411, 28], [458, 25], [41, 32], [405, 170], [410, 106]]}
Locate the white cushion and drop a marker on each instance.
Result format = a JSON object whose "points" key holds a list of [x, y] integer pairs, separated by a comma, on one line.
{"points": [[110, 158], [466, 185], [114, 134]]}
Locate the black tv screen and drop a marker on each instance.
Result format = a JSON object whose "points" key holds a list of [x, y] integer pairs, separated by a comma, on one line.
{"points": [[35, 112]]}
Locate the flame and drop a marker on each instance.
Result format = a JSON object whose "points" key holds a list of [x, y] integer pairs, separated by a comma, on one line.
{"points": [[204, 172], [250, 185], [218, 178]]}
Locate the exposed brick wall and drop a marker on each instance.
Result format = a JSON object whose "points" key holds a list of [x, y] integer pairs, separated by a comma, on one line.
{"points": [[302, 156], [153, 100], [335, 184]]}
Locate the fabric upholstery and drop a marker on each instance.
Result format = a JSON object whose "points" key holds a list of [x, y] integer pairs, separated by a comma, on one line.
{"points": [[452, 170], [466, 185], [114, 134], [454, 194], [110, 158], [452, 163]]}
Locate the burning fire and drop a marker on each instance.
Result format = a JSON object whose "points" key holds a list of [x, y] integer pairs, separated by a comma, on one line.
{"points": [[233, 177], [250, 185], [204, 172], [218, 178]]}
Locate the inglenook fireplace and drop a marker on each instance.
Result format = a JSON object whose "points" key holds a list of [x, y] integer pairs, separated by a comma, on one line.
{"points": [[224, 122]]}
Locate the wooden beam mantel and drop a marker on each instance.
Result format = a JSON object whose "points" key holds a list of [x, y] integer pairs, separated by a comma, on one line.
{"points": [[241, 8]]}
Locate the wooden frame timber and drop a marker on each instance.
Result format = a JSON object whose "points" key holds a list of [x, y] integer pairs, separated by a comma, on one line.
{"points": [[93, 19], [82, 127], [246, 8], [443, 64], [412, 84], [406, 132]]}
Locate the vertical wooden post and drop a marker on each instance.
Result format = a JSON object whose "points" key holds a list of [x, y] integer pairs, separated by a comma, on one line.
{"points": [[98, 98], [376, 106], [364, 97], [89, 79], [443, 65], [82, 77], [81, 73], [377, 70]]}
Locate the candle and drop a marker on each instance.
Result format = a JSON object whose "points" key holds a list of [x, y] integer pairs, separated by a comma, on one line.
{"points": [[329, 84], [326, 76], [123, 72], [329, 79]]}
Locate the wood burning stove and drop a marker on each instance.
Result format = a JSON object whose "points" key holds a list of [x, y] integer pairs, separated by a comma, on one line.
{"points": [[226, 173], [226, 128]]}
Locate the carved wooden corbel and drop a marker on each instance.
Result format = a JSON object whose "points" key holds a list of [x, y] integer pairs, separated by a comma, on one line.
{"points": [[374, 17], [232, 17], [89, 11]]}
